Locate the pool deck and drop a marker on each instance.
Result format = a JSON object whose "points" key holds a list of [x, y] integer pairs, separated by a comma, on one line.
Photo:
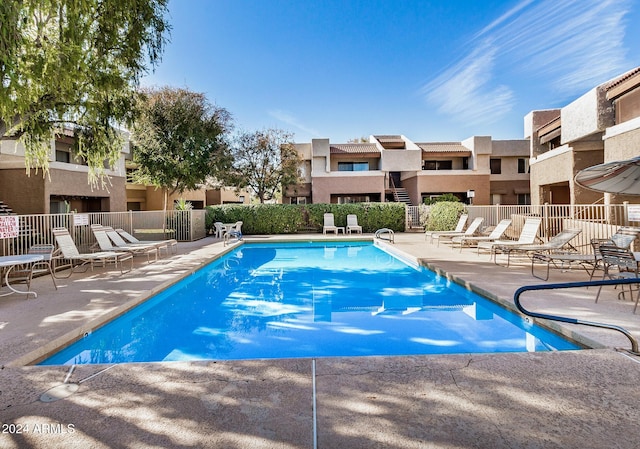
{"points": [[573, 399]]}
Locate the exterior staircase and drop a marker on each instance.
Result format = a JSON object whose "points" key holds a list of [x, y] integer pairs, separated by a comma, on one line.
{"points": [[5, 210], [401, 196]]}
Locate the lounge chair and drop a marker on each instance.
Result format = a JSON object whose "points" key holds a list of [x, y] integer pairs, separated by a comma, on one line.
{"points": [[622, 238], [352, 224], [329, 225], [171, 244], [68, 250], [564, 260], [496, 234], [459, 228], [119, 242], [619, 263], [527, 236], [105, 244], [557, 242], [471, 230]]}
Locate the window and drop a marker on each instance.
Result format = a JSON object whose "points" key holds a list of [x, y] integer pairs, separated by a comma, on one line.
{"points": [[353, 166], [496, 166], [437, 165], [63, 156], [524, 199], [496, 198], [523, 165]]}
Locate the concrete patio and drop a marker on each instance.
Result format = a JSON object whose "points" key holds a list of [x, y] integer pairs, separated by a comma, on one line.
{"points": [[572, 399]]}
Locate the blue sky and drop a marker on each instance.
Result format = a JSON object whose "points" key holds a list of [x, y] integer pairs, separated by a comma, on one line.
{"points": [[440, 70]]}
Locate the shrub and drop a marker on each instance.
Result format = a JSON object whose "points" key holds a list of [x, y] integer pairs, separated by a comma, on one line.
{"points": [[450, 197], [288, 218], [444, 215]]}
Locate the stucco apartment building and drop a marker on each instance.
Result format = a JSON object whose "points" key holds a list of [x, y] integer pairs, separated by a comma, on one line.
{"points": [[66, 185], [393, 168], [603, 125], [66, 188]]}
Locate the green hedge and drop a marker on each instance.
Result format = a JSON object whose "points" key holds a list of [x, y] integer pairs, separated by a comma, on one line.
{"points": [[288, 219], [444, 215]]}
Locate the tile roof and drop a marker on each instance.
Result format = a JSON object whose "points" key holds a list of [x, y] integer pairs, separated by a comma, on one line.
{"points": [[443, 147], [353, 148], [622, 78]]}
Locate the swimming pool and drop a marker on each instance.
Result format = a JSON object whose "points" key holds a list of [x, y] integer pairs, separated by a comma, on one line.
{"points": [[282, 300]]}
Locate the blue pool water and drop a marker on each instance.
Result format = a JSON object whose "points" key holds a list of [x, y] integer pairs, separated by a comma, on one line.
{"points": [[308, 300]]}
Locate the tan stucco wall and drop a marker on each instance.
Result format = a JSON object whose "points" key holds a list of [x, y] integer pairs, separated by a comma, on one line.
{"points": [[433, 184], [401, 160], [155, 198], [24, 194], [31, 194], [508, 189], [226, 195], [325, 186], [622, 146], [561, 168]]}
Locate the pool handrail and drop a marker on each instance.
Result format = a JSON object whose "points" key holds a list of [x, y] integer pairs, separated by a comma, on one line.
{"points": [[389, 232], [516, 298]]}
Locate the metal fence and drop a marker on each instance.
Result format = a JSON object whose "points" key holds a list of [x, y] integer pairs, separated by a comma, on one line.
{"points": [[594, 220], [146, 225]]}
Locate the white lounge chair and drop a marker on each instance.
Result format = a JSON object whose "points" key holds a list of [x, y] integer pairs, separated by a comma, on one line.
{"points": [[555, 243], [527, 236], [496, 234], [68, 250], [171, 244], [105, 244], [329, 224], [471, 230], [459, 228], [352, 224]]}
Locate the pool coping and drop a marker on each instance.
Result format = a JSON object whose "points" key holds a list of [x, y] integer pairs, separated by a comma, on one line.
{"points": [[36, 356]]}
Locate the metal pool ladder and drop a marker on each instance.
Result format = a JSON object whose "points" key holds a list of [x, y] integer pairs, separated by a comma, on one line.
{"points": [[385, 234], [516, 298]]}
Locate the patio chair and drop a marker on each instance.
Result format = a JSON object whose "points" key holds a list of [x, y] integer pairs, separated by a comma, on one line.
{"points": [[471, 230], [459, 228], [168, 244], [496, 234], [329, 225], [234, 231], [557, 242], [619, 263], [219, 229], [352, 224], [68, 250], [104, 243], [527, 236]]}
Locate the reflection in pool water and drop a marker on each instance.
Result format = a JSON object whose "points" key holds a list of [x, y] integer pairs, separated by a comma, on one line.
{"points": [[309, 300]]}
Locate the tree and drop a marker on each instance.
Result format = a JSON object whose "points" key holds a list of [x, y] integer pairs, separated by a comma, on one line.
{"points": [[179, 140], [75, 64], [264, 161]]}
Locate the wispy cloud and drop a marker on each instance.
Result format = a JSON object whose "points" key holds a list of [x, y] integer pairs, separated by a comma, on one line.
{"points": [[465, 90], [569, 45], [290, 120]]}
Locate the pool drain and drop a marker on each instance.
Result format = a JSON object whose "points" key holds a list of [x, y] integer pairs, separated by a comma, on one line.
{"points": [[59, 392]]}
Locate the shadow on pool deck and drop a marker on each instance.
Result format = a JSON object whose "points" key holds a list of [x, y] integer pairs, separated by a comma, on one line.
{"points": [[573, 399]]}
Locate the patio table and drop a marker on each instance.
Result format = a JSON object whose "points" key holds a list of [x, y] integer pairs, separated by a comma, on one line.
{"points": [[8, 263]]}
